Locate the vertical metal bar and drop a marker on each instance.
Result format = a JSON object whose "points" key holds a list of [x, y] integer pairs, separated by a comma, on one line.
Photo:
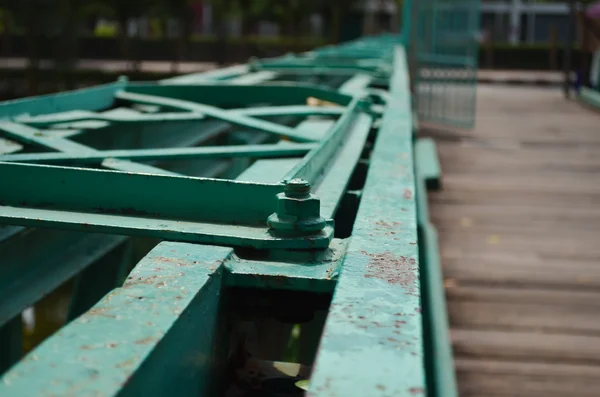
{"points": [[568, 56]]}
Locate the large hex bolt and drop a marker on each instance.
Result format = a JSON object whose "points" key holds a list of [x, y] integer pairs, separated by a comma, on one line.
{"points": [[298, 211]]}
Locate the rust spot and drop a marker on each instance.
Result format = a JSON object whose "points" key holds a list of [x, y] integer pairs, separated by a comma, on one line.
{"points": [[140, 280], [86, 347], [399, 323], [418, 310], [145, 341], [388, 225], [177, 261], [100, 311], [413, 243], [393, 340], [416, 390], [380, 387], [126, 363], [408, 194], [396, 270], [111, 345]]}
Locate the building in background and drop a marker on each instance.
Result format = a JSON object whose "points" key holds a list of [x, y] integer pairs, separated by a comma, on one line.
{"points": [[525, 21]]}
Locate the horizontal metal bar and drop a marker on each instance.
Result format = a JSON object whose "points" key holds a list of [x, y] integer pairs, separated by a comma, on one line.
{"points": [[45, 121], [134, 195], [253, 78], [33, 136], [198, 232], [207, 152], [130, 166], [237, 96], [95, 99], [244, 121], [271, 111]]}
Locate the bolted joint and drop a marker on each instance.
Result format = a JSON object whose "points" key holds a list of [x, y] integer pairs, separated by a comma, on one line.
{"points": [[298, 211]]}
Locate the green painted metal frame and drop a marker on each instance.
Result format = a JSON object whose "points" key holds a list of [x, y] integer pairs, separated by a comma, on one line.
{"points": [[62, 203], [165, 330], [590, 97]]}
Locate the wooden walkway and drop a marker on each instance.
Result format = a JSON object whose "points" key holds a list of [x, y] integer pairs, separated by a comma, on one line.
{"points": [[519, 227]]}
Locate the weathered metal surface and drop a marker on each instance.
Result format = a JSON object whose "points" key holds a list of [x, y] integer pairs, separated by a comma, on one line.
{"points": [[139, 340], [375, 315], [210, 159]]}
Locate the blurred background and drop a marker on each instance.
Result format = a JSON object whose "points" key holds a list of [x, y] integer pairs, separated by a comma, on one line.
{"points": [[50, 45]]}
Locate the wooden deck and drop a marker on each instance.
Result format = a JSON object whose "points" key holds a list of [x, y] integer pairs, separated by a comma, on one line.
{"points": [[519, 226]]}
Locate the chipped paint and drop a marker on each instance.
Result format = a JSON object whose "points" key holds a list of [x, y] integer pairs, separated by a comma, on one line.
{"points": [[115, 348], [373, 334]]}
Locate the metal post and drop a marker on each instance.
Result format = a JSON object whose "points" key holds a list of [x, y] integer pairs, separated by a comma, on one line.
{"points": [[515, 22], [567, 64]]}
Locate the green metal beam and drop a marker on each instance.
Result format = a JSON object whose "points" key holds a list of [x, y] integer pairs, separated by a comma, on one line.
{"points": [[46, 140], [211, 111], [152, 196], [249, 151], [139, 340], [238, 95], [440, 358], [372, 342], [45, 121], [93, 99], [312, 166]]}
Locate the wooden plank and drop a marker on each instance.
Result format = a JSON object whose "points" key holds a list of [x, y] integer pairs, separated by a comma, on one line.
{"points": [[526, 346], [524, 309], [524, 270], [491, 378], [518, 220]]}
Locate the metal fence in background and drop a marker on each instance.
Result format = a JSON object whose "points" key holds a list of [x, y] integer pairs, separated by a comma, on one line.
{"points": [[443, 41]]}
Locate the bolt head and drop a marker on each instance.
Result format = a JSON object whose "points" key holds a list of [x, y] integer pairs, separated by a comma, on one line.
{"points": [[297, 187]]}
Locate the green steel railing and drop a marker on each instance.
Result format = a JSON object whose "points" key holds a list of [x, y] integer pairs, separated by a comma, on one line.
{"points": [[591, 95], [281, 197], [442, 37]]}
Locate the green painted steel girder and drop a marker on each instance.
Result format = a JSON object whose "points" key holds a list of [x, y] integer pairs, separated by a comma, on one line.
{"points": [[249, 151], [168, 329]]}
